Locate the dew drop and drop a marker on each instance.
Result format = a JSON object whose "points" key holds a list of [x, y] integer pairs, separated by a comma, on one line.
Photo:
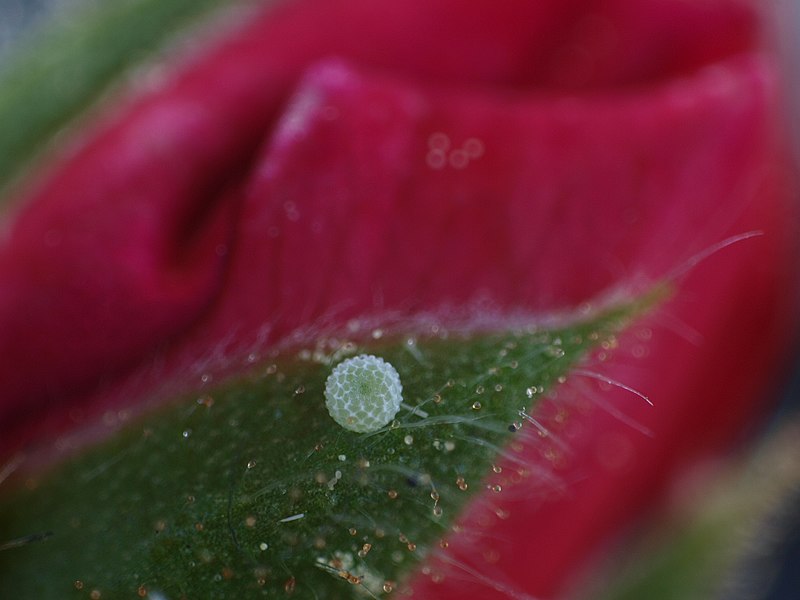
{"points": [[289, 585], [439, 141], [458, 159], [473, 147]]}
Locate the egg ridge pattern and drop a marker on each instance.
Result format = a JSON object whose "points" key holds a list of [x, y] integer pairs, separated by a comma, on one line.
{"points": [[363, 393]]}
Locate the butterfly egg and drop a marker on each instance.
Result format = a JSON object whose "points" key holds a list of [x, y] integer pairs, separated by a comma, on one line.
{"points": [[363, 393]]}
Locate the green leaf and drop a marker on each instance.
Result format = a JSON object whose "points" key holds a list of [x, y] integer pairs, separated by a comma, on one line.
{"points": [[253, 489], [63, 69]]}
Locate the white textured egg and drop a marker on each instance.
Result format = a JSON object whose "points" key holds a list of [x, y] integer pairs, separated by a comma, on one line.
{"points": [[363, 393]]}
